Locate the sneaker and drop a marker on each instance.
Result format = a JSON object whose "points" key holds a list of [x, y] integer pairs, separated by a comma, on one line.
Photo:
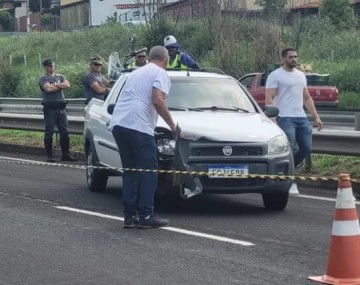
{"points": [[67, 157], [50, 159], [294, 190], [152, 222], [131, 222]]}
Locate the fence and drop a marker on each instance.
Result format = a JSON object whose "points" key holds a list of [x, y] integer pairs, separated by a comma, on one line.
{"points": [[26, 114]]}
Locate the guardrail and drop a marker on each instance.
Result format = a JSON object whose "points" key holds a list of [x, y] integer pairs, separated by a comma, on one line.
{"points": [[26, 114]]}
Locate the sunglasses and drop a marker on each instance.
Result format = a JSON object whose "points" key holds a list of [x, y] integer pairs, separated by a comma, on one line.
{"points": [[141, 56], [97, 64], [171, 47]]}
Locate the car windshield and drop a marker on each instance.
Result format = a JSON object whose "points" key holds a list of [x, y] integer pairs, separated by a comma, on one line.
{"points": [[317, 79], [208, 93]]}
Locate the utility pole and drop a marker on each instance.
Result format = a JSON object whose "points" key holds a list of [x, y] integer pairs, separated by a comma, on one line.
{"points": [[27, 16], [40, 6]]}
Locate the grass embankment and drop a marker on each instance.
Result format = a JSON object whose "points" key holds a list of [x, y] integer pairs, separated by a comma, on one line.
{"points": [[327, 165], [35, 139]]}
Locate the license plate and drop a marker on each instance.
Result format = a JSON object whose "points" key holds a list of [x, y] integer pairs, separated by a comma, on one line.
{"points": [[227, 171]]}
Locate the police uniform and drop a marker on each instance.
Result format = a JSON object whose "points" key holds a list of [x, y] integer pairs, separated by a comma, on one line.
{"points": [[55, 114]]}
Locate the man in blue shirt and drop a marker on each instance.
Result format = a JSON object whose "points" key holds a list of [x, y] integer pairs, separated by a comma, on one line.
{"points": [[178, 59]]}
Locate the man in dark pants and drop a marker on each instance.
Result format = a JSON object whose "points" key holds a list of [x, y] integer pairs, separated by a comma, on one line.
{"points": [[132, 124], [51, 86]]}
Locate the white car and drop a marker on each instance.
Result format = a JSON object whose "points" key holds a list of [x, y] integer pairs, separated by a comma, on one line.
{"points": [[229, 140]]}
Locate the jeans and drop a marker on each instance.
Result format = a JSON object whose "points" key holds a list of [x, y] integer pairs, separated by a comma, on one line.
{"points": [[137, 150], [299, 133]]}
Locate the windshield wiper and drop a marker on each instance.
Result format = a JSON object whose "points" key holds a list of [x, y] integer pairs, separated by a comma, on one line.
{"points": [[219, 108], [177, 109]]}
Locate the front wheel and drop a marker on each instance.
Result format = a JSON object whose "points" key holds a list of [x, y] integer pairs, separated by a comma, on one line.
{"points": [[96, 178], [275, 201]]}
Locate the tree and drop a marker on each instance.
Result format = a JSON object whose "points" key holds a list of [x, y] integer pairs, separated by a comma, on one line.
{"points": [[339, 12], [34, 5], [6, 21], [272, 8]]}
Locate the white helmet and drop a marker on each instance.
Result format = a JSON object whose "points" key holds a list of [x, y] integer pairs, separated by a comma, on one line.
{"points": [[169, 40]]}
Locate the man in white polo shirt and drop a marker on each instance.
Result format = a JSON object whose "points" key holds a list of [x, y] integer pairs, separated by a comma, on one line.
{"points": [[132, 124], [286, 88]]}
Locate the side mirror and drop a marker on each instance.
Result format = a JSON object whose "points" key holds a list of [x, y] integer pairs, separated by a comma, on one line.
{"points": [[271, 111], [110, 108]]}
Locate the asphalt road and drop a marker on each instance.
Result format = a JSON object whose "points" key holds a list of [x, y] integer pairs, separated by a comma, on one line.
{"points": [[54, 231]]}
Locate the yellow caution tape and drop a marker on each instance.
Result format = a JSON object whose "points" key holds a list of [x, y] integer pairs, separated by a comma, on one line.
{"points": [[181, 172]]}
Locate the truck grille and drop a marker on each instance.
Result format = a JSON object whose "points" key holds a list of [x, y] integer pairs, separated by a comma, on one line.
{"points": [[218, 151]]}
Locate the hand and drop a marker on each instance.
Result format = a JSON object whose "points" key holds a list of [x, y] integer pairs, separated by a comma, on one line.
{"points": [[181, 134], [319, 124]]}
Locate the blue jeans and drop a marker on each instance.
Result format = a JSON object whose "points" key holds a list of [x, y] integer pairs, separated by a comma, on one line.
{"points": [[137, 150], [299, 133]]}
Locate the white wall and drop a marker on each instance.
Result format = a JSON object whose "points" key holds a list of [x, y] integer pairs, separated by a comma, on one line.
{"points": [[101, 9], [20, 11]]}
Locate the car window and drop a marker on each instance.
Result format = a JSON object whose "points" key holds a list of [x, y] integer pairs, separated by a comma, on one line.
{"points": [[206, 92], [246, 81]]}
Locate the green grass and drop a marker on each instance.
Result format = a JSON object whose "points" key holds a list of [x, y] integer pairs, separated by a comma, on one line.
{"points": [[35, 139], [326, 165]]}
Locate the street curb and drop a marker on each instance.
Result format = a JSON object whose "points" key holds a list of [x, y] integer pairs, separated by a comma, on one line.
{"points": [[329, 185]]}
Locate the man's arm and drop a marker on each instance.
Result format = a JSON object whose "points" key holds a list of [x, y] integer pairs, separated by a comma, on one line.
{"points": [[310, 106], [50, 87], [99, 89], [158, 99], [188, 61], [270, 94], [65, 84]]}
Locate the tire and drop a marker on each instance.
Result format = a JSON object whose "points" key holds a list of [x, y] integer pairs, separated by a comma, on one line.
{"points": [[275, 201], [96, 179]]}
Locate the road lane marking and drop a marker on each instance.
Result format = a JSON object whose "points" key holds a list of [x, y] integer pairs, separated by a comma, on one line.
{"points": [[171, 229], [320, 198]]}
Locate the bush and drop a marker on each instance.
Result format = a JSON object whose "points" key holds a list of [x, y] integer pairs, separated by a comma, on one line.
{"points": [[10, 78]]}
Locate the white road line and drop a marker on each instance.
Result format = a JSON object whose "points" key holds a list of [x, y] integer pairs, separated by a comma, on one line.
{"points": [[320, 198], [171, 229]]}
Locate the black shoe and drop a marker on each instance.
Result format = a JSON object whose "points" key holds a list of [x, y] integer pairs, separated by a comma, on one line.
{"points": [[50, 159], [152, 222], [131, 222], [68, 157]]}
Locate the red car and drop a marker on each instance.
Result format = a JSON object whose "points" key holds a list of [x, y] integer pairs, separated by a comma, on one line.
{"points": [[318, 85]]}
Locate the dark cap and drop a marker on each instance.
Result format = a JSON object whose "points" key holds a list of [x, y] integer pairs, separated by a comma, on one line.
{"points": [[48, 62], [95, 60]]}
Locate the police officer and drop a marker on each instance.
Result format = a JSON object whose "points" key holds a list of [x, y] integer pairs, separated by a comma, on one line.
{"points": [[178, 59], [95, 84], [51, 86], [140, 60]]}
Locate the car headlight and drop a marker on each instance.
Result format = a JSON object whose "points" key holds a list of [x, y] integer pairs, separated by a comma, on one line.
{"points": [[166, 146], [278, 144]]}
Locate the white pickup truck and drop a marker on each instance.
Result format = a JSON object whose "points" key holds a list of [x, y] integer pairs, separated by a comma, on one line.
{"points": [[226, 132]]}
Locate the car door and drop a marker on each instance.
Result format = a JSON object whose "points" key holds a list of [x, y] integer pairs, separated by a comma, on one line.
{"points": [[106, 147]]}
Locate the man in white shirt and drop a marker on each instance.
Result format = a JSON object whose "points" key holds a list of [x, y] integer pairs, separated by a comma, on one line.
{"points": [[132, 124], [286, 88]]}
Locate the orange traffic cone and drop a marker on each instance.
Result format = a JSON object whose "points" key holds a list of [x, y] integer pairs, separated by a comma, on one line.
{"points": [[344, 255]]}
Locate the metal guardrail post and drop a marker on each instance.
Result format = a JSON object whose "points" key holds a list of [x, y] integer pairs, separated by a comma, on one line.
{"points": [[357, 121]]}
